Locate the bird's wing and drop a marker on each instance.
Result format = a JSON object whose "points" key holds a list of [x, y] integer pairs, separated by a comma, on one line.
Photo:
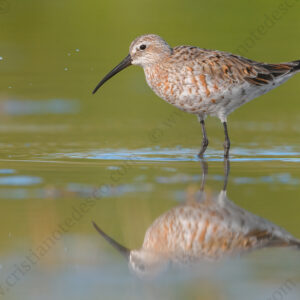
{"points": [[227, 67]]}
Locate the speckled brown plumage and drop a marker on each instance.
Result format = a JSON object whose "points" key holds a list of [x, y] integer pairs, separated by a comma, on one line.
{"points": [[207, 229], [204, 228], [211, 229], [200, 81]]}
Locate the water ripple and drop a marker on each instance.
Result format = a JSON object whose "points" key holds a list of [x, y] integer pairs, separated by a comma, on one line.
{"points": [[285, 154], [32, 107], [20, 180]]}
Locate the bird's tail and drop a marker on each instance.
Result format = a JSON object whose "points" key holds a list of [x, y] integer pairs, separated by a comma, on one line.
{"points": [[296, 67], [295, 243]]}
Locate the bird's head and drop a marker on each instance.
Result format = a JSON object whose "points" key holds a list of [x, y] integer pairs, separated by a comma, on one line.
{"points": [[144, 51], [147, 264], [143, 262], [148, 49]]}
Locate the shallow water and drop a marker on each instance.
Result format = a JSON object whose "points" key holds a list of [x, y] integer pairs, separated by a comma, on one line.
{"points": [[122, 157], [39, 195]]}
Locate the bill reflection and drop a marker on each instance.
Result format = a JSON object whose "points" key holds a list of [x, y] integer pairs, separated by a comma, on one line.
{"points": [[206, 227]]}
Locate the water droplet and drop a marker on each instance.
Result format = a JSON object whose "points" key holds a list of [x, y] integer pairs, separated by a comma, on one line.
{"points": [[10, 87], [77, 50], [1, 58], [66, 69]]}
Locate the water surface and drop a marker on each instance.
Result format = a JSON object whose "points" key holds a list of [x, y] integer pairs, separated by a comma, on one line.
{"points": [[123, 157]]}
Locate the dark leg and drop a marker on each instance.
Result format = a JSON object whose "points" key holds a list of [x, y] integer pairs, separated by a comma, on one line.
{"points": [[227, 141], [204, 140], [204, 174]]}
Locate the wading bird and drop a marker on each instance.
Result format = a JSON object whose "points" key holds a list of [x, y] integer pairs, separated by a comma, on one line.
{"points": [[200, 81]]}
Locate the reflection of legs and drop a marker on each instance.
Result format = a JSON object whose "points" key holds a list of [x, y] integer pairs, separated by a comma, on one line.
{"points": [[204, 173], [204, 140], [227, 141], [226, 172]]}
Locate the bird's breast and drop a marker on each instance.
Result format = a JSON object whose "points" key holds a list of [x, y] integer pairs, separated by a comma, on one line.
{"points": [[163, 83], [195, 231], [185, 88]]}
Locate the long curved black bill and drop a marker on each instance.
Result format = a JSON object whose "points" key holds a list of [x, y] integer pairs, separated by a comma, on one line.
{"points": [[126, 62], [123, 250]]}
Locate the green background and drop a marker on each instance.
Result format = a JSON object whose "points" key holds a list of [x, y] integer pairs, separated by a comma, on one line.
{"points": [[60, 50]]}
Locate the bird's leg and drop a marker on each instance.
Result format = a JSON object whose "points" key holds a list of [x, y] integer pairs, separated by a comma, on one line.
{"points": [[204, 140], [227, 141]]}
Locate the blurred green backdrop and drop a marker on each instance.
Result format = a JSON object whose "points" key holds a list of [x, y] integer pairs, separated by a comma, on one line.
{"points": [[53, 53], [40, 61]]}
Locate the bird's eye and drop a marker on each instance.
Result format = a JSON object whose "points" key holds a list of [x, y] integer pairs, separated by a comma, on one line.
{"points": [[143, 47]]}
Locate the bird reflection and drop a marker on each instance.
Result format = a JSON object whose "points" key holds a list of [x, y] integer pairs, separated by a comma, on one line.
{"points": [[205, 228]]}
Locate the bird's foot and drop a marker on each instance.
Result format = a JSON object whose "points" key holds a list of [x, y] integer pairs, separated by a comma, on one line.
{"points": [[201, 154], [203, 148], [226, 149]]}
